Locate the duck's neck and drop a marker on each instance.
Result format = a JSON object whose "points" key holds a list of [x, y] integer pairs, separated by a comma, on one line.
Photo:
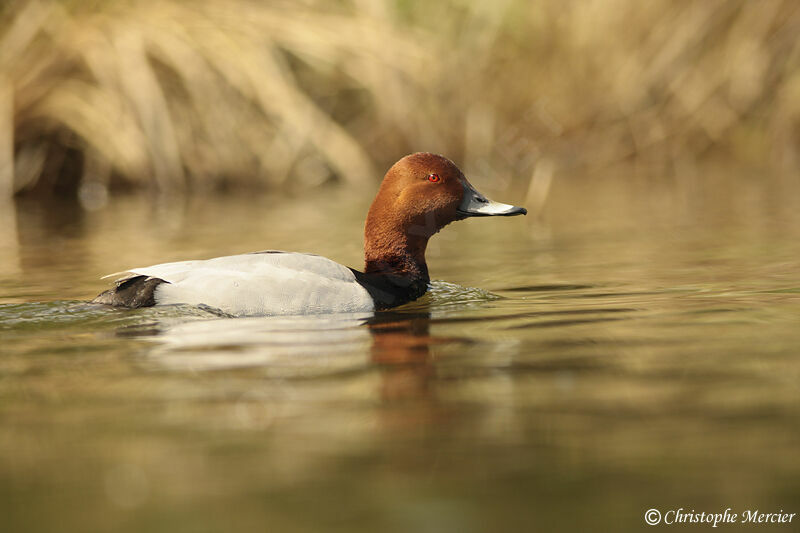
{"points": [[393, 251]]}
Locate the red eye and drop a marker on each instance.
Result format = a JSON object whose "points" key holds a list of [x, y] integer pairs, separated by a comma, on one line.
{"points": [[433, 178]]}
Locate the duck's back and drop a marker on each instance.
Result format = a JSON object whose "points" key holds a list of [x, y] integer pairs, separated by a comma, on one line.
{"points": [[262, 283]]}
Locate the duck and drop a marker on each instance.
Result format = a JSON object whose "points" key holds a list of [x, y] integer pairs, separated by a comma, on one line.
{"points": [[419, 195]]}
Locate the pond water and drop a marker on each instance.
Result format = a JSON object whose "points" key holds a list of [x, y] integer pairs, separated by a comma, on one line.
{"points": [[634, 345]]}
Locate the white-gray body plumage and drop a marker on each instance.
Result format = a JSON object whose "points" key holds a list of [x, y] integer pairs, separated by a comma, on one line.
{"points": [[262, 283]]}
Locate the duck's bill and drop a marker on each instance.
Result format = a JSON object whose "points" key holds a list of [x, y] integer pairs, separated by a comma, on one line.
{"points": [[475, 204]]}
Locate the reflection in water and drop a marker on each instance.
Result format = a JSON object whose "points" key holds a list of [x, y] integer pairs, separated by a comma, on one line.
{"points": [[393, 338], [50, 219], [284, 346], [397, 343], [9, 244], [401, 348]]}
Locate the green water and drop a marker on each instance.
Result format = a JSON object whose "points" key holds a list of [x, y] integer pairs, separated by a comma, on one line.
{"points": [[632, 346]]}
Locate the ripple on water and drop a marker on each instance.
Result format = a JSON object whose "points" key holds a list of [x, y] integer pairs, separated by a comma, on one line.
{"points": [[68, 314], [445, 296]]}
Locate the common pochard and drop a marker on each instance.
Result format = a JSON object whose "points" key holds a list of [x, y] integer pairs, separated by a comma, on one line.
{"points": [[420, 194]]}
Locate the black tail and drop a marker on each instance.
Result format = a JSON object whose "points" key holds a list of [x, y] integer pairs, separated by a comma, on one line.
{"points": [[138, 291]]}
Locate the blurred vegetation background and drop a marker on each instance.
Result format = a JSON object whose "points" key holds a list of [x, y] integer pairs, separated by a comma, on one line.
{"points": [[189, 96]]}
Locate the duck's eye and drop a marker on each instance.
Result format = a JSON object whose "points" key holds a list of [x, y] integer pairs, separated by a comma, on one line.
{"points": [[433, 178]]}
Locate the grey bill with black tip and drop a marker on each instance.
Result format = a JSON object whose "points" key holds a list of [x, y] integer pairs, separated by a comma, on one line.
{"points": [[475, 204]]}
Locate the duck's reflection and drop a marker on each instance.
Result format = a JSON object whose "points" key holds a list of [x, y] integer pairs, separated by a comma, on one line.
{"points": [[283, 347], [373, 372], [396, 345], [401, 349]]}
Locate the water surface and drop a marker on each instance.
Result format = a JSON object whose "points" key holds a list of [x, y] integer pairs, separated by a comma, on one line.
{"points": [[633, 346]]}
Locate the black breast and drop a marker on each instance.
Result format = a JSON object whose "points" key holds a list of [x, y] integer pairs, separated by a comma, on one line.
{"points": [[388, 290]]}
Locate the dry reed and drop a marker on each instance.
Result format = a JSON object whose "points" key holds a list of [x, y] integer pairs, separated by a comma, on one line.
{"points": [[190, 95]]}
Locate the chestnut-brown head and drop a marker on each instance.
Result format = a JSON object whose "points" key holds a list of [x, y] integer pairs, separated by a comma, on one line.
{"points": [[420, 195]]}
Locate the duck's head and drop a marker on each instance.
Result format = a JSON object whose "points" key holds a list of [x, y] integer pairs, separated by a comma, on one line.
{"points": [[420, 195], [424, 192]]}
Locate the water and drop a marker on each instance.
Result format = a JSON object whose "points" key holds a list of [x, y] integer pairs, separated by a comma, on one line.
{"points": [[634, 346]]}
